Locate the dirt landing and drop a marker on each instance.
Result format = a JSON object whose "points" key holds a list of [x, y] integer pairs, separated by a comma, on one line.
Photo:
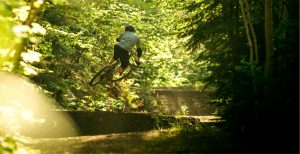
{"points": [[156, 141]]}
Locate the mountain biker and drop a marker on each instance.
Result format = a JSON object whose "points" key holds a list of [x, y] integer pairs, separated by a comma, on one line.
{"points": [[125, 44]]}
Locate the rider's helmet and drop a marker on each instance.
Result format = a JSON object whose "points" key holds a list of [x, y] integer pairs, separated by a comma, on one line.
{"points": [[129, 28]]}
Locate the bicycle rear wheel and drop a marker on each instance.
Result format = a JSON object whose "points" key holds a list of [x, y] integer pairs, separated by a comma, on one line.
{"points": [[125, 74], [98, 77]]}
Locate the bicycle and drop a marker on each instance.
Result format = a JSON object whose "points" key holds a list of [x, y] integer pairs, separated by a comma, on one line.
{"points": [[107, 73]]}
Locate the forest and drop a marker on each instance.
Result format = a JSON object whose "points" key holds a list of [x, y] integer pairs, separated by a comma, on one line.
{"points": [[244, 52]]}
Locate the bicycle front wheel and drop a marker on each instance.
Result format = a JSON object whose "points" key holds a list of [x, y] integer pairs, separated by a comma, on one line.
{"points": [[98, 77]]}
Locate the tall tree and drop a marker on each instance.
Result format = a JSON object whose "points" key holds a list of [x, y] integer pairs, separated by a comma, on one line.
{"points": [[251, 105], [251, 37], [268, 36]]}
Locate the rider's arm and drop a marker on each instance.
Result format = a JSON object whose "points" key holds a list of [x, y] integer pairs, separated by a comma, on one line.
{"points": [[119, 38]]}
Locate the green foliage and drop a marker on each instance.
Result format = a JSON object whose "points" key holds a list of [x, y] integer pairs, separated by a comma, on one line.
{"points": [[12, 31], [69, 41], [18, 28], [79, 41], [69, 48], [63, 45], [211, 33], [251, 103], [183, 111], [7, 145], [10, 144]]}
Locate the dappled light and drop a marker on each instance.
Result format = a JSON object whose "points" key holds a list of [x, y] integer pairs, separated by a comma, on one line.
{"points": [[149, 76], [25, 110], [156, 141]]}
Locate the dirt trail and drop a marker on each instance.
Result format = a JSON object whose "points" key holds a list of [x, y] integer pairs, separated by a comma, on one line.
{"points": [[155, 141], [108, 132]]}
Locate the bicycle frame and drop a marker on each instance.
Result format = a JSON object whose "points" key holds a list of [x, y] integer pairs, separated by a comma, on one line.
{"points": [[108, 72]]}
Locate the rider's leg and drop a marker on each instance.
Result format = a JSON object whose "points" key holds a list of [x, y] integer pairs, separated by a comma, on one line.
{"points": [[119, 70], [116, 54], [123, 55], [112, 61], [124, 64], [124, 58]]}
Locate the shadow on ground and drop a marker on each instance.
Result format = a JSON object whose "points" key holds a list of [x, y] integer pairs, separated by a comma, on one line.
{"points": [[206, 139]]}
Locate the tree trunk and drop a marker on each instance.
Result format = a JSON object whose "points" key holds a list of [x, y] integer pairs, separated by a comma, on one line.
{"points": [[252, 31], [247, 30], [268, 37], [251, 37]]}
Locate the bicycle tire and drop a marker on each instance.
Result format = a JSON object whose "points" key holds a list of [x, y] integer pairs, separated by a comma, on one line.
{"points": [[98, 77]]}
